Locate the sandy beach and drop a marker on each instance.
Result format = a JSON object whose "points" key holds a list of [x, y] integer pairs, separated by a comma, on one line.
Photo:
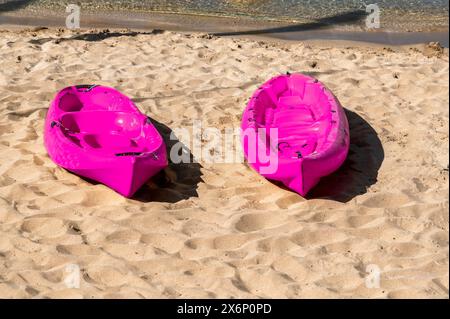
{"points": [[214, 230]]}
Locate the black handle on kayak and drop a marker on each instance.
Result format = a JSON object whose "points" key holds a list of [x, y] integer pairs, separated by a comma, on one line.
{"points": [[129, 154], [153, 155], [85, 87]]}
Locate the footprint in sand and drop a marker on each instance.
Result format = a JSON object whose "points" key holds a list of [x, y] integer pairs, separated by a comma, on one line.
{"points": [[166, 242], [309, 238], [108, 276], [252, 222], [44, 227], [127, 236], [232, 241], [78, 250], [387, 200]]}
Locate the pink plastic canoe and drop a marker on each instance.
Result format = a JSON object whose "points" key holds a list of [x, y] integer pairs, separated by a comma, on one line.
{"points": [[312, 134], [97, 132]]}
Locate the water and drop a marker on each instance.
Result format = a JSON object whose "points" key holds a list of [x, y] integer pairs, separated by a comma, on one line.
{"points": [[410, 14], [268, 9]]}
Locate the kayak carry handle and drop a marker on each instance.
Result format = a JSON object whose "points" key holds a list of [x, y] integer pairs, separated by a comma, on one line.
{"points": [[59, 124], [85, 87], [155, 157], [129, 154]]}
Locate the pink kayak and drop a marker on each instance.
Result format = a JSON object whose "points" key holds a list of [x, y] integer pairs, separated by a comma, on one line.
{"points": [[98, 133], [300, 129]]}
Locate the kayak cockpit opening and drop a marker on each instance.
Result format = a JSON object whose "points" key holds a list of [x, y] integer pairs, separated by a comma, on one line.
{"points": [[108, 132], [70, 103], [300, 110]]}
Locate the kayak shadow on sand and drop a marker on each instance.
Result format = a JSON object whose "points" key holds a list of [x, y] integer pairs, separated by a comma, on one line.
{"points": [[360, 169], [177, 181]]}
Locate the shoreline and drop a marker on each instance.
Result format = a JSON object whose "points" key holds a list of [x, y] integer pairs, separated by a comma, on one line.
{"points": [[393, 18], [236, 27]]}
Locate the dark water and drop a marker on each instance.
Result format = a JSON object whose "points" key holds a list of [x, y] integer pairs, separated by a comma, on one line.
{"points": [[267, 9], [407, 15], [282, 9]]}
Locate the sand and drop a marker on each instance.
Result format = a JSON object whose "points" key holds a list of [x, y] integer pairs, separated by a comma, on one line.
{"points": [[220, 230]]}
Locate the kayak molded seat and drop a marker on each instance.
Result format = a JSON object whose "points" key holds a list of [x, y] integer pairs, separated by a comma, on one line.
{"points": [[312, 130], [97, 132]]}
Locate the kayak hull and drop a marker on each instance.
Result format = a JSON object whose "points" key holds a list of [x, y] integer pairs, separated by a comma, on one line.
{"points": [[295, 122], [98, 133]]}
